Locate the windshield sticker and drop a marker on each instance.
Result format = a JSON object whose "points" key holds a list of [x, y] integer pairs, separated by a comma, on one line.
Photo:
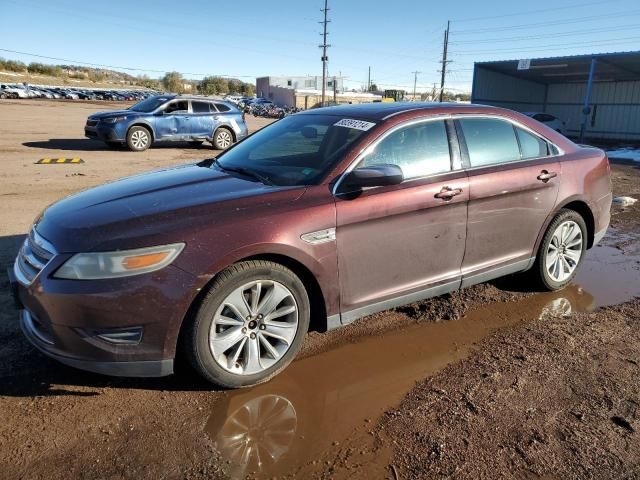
{"points": [[357, 124]]}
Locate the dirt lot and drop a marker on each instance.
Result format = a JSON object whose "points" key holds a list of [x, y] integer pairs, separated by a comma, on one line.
{"points": [[515, 385]]}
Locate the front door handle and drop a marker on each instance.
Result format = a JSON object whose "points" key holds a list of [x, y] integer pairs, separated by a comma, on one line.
{"points": [[545, 176], [447, 193]]}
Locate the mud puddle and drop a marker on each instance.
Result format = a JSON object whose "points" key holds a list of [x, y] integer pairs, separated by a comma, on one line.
{"points": [[323, 407]]}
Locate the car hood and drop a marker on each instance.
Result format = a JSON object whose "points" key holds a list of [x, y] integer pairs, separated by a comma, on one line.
{"points": [[155, 208], [114, 113]]}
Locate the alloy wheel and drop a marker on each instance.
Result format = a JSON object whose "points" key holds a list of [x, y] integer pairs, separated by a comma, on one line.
{"points": [[254, 327], [139, 139], [564, 251], [223, 139]]}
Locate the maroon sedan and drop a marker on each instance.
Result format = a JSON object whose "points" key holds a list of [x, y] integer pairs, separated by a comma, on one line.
{"points": [[314, 221]]}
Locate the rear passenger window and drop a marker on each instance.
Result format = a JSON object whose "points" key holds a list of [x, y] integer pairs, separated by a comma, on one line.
{"points": [[200, 107], [418, 150], [531, 145], [489, 141], [222, 107]]}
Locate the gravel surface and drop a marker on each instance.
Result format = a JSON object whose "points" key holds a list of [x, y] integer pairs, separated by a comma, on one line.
{"points": [[554, 397]]}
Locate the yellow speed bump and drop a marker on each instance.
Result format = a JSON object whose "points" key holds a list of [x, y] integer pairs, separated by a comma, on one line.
{"points": [[50, 161]]}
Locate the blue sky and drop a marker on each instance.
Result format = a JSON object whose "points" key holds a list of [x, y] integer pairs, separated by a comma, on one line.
{"points": [[250, 38]]}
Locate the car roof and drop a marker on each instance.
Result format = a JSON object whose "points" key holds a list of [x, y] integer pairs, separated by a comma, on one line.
{"points": [[382, 110]]}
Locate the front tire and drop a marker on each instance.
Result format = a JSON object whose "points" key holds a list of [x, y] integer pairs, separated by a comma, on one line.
{"points": [[249, 326], [222, 139], [561, 251], [138, 139]]}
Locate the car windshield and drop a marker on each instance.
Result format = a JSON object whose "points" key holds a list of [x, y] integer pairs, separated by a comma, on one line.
{"points": [[297, 150], [149, 104]]}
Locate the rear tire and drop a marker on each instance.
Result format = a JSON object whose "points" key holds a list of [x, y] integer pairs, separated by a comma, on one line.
{"points": [[561, 251], [222, 139], [249, 326], [138, 139]]}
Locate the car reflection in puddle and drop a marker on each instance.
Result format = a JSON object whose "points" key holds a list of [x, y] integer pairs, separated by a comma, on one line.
{"points": [[329, 401]]}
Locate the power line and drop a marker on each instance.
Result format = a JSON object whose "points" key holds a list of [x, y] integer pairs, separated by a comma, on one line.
{"points": [[548, 35], [548, 47], [590, 18], [100, 65], [542, 10]]}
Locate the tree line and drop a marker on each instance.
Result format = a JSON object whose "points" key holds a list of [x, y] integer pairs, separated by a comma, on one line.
{"points": [[212, 85], [172, 81]]}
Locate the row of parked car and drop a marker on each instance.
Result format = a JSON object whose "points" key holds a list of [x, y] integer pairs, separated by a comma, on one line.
{"points": [[21, 90]]}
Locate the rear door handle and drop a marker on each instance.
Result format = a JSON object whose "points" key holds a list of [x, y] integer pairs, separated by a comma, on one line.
{"points": [[447, 193], [545, 176]]}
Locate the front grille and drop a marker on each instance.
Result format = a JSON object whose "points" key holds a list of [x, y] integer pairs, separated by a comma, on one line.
{"points": [[34, 255], [92, 123]]}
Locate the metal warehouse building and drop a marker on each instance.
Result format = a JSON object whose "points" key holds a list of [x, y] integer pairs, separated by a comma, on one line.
{"points": [[597, 96]]}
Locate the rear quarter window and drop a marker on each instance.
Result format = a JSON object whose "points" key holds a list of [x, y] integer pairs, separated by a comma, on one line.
{"points": [[531, 145], [222, 107]]}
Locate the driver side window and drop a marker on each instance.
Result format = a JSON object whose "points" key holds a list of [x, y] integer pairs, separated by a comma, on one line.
{"points": [[179, 106], [419, 150]]}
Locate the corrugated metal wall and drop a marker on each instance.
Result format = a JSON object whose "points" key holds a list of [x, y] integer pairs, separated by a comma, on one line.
{"points": [[615, 106], [615, 109], [493, 88]]}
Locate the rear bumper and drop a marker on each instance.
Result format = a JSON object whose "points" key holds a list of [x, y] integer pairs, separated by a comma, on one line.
{"points": [[146, 368]]}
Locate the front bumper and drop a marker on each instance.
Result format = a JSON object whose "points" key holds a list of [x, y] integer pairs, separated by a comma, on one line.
{"points": [[70, 320], [106, 133], [144, 368]]}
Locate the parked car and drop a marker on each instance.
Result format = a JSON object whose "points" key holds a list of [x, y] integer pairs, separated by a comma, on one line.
{"points": [[168, 118], [321, 218], [549, 120]]}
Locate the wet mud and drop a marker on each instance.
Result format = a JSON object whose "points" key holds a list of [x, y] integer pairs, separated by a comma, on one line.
{"points": [[325, 405]]}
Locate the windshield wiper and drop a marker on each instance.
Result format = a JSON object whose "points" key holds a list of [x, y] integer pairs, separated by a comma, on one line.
{"points": [[245, 171]]}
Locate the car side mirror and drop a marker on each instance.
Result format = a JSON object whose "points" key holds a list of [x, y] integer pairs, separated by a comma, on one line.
{"points": [[374, 176]]}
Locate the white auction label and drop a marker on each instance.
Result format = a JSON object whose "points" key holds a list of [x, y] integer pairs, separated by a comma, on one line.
{"points": [[352, 123]]}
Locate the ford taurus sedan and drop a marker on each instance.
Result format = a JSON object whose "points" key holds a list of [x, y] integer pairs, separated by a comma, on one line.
{"points": [[169, 118], [315, 221]]}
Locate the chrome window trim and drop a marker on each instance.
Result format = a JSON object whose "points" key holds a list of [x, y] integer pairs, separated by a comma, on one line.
{"points": [[372, 146], [447, 116], [519, 125]]}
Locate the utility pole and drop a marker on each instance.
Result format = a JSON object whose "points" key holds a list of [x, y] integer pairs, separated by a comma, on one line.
{"points": [[444, 59], [369, 80], [415, 81], [324, 47], [335, 91]]}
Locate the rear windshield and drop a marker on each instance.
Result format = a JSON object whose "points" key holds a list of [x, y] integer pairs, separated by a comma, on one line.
{"points": [[297, 150]]}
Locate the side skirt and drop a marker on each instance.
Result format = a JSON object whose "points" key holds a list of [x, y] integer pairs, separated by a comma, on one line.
{"points": [[339, 320]]}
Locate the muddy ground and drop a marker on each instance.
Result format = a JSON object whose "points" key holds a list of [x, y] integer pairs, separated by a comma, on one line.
{"points": [[515, 384]]}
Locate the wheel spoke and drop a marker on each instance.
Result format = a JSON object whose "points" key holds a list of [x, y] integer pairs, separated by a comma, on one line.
{"points": [[284, 332], [256, 290], [238, 304], [223, 341], [252, 356], [268, 347], [551, 259], [272, 299], [232, 360], [228, 321], [566, 268], [573, 234], [575, 242], [281, 312], [573, 255]]}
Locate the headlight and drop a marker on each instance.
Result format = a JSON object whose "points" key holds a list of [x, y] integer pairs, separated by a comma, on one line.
{"points": [[114, 119], [123, 263]]}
